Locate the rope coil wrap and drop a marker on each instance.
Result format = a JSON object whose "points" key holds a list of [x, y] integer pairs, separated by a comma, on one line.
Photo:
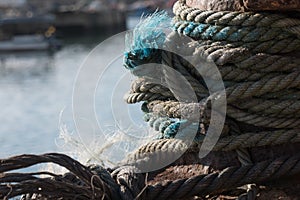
{"points": [[251, 76], [256, 54], [257, 57]]}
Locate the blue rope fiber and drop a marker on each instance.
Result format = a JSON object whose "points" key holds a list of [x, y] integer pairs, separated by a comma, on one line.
{"points": [[230, 33], [169, 127], [173, 129], [144, 42], [138, 57]]}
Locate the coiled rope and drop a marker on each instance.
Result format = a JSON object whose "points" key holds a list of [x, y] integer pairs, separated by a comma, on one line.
{"points": [[257, 57], [256, 54]]}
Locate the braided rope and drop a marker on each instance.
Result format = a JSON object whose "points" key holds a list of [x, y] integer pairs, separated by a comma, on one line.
{"points": [[164, 125], [262, 88], [95, 187], [143, 85], [235, 18], [173, 109], [287, 94], [138, 97], [244, 59], [262, 121], [226, 179], [166, 147], [130, 182], [267, 84], [201, 31], [176, 109], [241, 48], [243, 156], [125, 183], [246, 66], [272, 107], [228, 72]]}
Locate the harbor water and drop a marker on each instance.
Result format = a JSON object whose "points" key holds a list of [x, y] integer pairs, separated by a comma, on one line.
{"points": [[36, 96]]}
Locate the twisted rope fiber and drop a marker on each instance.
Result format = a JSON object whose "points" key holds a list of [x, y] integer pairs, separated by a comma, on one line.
{"points": [[142, 89], [255, 77], [229, 33], [228, 178], [241, 57], [165, 147], [143, 85], [14, 184], [167, 126], [260, 85], [247, 89], [229, 73], [263, 118], [265, 85], [269, 81], [272, 108], [232, 75], [290, 107], [244, 157], [256, 35], [255, 119], [138, 97], [176, 109], [236, 18], [250, 47], [146, 85], [198, 185], [271, 47], [195, 84], [287, 94]]}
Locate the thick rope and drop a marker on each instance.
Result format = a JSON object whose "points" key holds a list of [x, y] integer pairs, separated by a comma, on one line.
{"points": [[201, 31], [142, 85], [138, 97], [256, 54], [228, 178], [263, 86], [176, 110], [235, 18], [270, 47], [125, 183], [228, 72], [242, 58], [272, 107], [263, 120], [166, 147], [289, 107], [95, 187]]}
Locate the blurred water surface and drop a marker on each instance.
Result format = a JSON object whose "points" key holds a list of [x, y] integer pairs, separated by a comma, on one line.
{"points": [[35, 87]]}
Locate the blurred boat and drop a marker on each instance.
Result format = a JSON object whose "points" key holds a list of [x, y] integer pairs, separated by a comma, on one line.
{"points": [[137, 9], [25, 25], [29, 43]]}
